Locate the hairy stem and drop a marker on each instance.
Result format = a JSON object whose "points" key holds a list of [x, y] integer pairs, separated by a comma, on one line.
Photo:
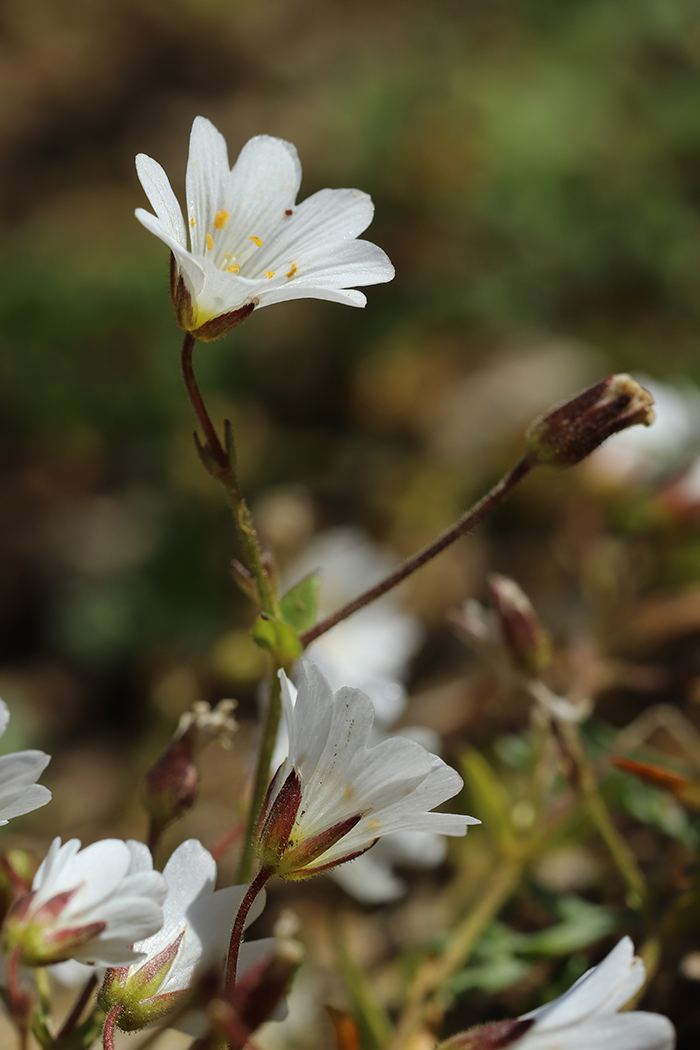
{"points": [[239, 924], [465, 524], [110, 1024], [223, 469]]}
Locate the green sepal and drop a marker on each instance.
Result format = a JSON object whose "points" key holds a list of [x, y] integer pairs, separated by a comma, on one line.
{"points": [[278, 638], [299, 605]]}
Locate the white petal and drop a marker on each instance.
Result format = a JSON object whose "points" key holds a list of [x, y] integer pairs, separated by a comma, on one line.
{"points": [[205, 180], [141, 859], [263, 185], [163, 201], [18, 771], [632, 1031], [33, 798], [51, 868], [369, 879], [603, 989], [95, 872]]}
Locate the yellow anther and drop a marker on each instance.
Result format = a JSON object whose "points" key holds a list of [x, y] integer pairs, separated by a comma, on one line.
{"points": [[269, 273], [233, 269], [210, 241], [192, 221], [256, 240], [221, 218], [292, 270]]}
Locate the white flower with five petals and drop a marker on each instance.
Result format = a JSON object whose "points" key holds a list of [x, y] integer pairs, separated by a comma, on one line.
{"points": [[90, 905], [19, 771], [194, 937], [334, 797], [250, 244], [584, 1017]]}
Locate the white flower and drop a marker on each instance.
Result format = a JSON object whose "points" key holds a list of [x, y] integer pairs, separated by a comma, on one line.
{"points": [[587, 1015], [194, 937], [89, 905], [333, 797], [250, 244], [19, 792]]}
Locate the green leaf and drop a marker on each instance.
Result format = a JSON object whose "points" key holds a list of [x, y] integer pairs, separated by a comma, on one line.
{"points": [[490, 977], [299, 605], [276, 637], [582, 924]]}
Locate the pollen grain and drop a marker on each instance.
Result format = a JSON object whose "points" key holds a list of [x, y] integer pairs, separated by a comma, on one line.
{"points": [[269, 273], [292, 270], [210, 241], [221, 218], [256, 240], [234, 268]]}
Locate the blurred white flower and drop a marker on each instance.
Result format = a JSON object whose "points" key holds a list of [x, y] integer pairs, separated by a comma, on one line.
{"points": [[584, 1017], [250, 244], [194, 937], [334, 797], [19, 771], [89, 905], [371, 649], [645, 454]]}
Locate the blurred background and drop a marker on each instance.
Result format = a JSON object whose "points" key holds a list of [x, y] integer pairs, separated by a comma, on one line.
{"points": [[535, 168]]}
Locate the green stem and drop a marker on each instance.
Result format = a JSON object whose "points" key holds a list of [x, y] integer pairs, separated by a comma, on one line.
{"points": [[428, 995], [268, 738], [219, 461]]}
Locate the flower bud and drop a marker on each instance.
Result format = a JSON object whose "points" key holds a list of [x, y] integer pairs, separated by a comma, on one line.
{"points": [[523, 636], [567, 434], [171, 785]]}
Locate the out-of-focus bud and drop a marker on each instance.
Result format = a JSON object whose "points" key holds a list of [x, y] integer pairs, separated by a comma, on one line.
{"points": [[494, 1036], [685, 789], [567, 434], [171, 786], [524, 637], [256, 995]]}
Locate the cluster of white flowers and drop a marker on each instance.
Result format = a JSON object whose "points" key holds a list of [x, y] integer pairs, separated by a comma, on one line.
{"points": [[152, 939]]}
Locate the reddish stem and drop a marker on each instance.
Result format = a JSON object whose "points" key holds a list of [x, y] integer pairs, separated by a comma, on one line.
{"points": [[110, 1024], [465, 524], [197, 401], [237, 931]]}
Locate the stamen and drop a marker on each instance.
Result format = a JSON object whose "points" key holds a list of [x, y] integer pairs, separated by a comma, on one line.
{"points": [[293, 270], [256, 240], [269, 273], [192, 221], [288, 211], [221, 218], [233, 269], [210, 241]]}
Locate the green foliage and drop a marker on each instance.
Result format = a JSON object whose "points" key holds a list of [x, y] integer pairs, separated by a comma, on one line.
{"points": [[298, 607]]}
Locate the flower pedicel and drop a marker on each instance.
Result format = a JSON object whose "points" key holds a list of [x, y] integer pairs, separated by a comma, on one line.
{"points": [[250, 244]]}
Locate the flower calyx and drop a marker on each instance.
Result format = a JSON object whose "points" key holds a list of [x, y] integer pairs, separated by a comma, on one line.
{"points": [[189, 318], [525, 640], [136, 991], [493, 1036], [41, 939], [568, 433], [283, 854]]}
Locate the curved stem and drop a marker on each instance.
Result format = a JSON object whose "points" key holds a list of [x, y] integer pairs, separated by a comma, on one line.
{"points": [[239, 924], [110, 1024], [198, 401], [465, 524], [78, 1007]]}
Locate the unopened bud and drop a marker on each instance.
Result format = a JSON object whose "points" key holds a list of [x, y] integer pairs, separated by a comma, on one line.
{"points": [[136, 991], [171, 785], [494, 1036], [567, 434], [523, 636]]}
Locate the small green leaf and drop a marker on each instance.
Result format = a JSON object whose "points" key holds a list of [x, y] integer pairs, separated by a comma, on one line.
{"points": [[582, 924], [278, 638], [299, 605]]}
